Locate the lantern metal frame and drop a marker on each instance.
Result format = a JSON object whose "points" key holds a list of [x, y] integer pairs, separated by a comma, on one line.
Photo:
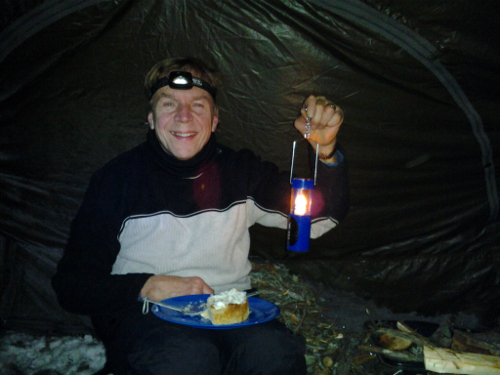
{"points": [[315, 161]]}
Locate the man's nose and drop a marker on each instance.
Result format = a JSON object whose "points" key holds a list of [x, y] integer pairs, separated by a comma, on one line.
{"points": [[183, 113]]}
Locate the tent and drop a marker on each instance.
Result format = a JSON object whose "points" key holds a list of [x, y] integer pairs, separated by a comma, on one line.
{"points": [[418, 81]]}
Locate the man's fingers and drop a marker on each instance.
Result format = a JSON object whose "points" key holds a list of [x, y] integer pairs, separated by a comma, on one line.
{"points": [[160, 287], [328, 114], [337, 115], [207, 290]]}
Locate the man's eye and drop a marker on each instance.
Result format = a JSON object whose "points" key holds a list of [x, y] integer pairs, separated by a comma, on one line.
{"points": [[167, 104]]}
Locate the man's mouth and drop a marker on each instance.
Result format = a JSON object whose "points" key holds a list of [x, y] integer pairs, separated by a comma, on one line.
{"points": [[183, 135]]}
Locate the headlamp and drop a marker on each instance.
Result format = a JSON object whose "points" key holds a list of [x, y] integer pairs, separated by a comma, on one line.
{"points": [[181, 81]]}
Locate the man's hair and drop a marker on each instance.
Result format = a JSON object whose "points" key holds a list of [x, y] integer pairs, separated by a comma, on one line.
{"points": [[196, 66]]}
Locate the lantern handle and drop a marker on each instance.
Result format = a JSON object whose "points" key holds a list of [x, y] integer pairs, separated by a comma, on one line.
{"points": [[315, 161]]}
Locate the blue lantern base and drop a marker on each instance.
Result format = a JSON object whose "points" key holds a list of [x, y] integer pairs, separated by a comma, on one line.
{"points": [[299, 232]]}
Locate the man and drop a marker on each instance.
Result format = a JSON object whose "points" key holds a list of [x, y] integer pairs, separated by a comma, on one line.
{"points": [[171, 218]]}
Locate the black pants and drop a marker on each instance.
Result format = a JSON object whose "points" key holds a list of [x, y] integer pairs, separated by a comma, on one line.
{"points": [[145, 344]]}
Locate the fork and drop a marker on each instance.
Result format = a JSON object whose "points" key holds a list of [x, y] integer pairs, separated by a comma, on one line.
{"points": [[186, 310]]}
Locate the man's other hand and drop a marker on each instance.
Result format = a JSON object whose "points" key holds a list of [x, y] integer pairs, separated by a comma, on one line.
{"points": [[160, 287]]}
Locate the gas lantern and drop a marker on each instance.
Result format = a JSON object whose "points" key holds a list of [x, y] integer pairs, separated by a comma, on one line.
{"points": [[299, 219]]}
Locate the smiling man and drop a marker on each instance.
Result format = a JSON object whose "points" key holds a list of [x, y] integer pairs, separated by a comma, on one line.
{"points": [[171, 218], [183, 120]]}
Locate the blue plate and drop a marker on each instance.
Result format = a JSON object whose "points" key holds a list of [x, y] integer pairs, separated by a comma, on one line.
{"points": [[260, 311]]}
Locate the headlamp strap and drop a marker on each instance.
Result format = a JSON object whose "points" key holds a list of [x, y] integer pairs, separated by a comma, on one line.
{"points": [[181, 81]]}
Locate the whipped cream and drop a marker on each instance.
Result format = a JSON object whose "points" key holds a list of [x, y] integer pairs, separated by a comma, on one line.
{"points": [[221, 300]]}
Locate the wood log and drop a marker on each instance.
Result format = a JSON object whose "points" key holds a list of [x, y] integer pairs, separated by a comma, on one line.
{"points": [[422, 341], [483, 343], [447, 361]]}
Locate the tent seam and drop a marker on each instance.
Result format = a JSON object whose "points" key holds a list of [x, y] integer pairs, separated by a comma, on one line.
{"points": [[422, 50], [37, 19]]}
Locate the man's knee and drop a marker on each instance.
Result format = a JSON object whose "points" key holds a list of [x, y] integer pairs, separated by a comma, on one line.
{"points": [[268, 349], [157, 347]]}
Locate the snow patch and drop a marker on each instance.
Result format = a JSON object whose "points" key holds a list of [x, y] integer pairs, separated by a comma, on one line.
{"points": [[26, 354]]}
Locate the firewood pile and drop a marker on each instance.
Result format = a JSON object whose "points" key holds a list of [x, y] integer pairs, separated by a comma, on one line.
{"points": [[446, 351], [382, 347]]}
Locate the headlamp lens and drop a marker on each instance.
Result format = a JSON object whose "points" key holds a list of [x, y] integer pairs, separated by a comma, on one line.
{"points": [[180, 80]]}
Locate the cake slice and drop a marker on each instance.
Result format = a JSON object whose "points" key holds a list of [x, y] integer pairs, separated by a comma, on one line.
{"points": [[228, 307]]}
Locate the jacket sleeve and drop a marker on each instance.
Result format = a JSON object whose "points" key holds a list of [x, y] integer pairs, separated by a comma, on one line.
{"points": [[83, 281]]}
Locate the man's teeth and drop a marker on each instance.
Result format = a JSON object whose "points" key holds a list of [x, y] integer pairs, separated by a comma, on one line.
{"points": [[183, 135]]}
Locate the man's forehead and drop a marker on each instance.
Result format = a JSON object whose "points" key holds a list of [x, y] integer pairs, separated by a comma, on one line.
{"points": [[194, 93], [191, 95]]}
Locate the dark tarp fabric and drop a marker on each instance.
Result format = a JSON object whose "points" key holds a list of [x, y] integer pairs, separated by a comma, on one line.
{"points": [[418, 81]]}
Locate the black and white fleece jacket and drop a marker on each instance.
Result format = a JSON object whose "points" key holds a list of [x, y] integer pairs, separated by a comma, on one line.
{"points": [[148, 213]]}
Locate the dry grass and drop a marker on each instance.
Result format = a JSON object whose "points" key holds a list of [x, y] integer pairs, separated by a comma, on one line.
{"points": [[329, 349]]}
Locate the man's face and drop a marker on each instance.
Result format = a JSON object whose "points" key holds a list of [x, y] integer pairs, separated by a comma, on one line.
{"points": [[183, 120]]}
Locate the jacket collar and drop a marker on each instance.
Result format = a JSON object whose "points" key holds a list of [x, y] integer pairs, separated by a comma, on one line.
{"points": [[183, 168]]}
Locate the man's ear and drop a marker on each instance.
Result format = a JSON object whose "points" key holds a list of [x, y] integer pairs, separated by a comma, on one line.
{"points": [[151, 121], [215, 119]]}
